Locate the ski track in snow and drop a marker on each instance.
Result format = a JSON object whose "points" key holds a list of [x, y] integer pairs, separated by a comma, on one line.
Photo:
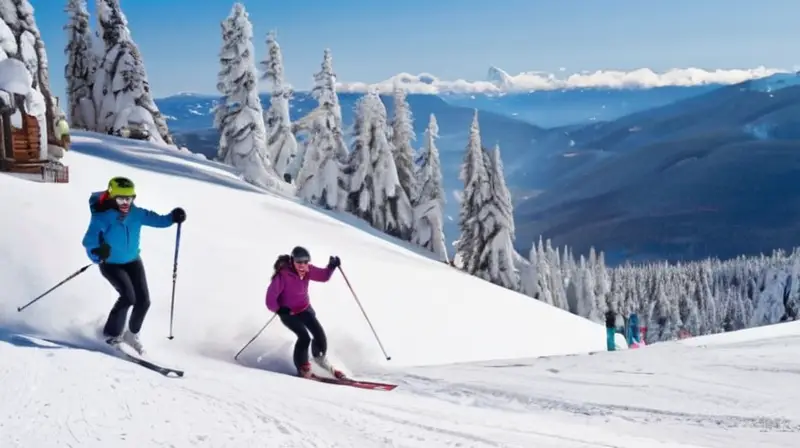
{"points": [[717, 390], [56, 403], [709, 396]]}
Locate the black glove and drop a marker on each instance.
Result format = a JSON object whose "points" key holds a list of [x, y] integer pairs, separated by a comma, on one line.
{"points": [[334, 262], [103, 251], [283, 311], [178, 215]]}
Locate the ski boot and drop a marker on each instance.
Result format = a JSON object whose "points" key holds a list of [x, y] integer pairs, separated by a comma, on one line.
{"points": [[323, 362], [132, 339], [304, 371], [114, 340]]}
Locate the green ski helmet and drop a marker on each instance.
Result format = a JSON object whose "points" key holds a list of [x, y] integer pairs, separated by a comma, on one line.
{"points": [[121, 186]]}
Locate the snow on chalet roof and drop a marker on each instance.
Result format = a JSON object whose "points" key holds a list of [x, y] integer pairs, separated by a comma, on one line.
{"points": [[14, 77]]}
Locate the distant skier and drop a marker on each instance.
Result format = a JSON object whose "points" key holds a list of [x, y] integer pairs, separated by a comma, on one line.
{"points": [[611, 329], [112, 240], [287, 295]]}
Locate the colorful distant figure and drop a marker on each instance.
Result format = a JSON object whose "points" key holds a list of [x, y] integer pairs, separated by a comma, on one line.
{"points": [[632, 332], [611, 329]]}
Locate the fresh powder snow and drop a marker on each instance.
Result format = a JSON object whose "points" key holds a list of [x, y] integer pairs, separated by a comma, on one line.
{"points": [[476, 365]]}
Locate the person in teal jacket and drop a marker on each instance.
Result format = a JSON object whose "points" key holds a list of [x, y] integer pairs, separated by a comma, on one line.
{"points": [[611, 330], [112, 241]]}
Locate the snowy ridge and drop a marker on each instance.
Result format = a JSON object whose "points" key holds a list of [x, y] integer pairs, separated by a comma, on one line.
{"points": [[427, 314], [499, 81]]}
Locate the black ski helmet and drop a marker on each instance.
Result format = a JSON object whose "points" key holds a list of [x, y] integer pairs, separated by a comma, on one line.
{"points": [[300, 254]]}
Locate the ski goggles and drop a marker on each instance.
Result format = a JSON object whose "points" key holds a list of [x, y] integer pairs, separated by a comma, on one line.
{"points": [[124, 200]]}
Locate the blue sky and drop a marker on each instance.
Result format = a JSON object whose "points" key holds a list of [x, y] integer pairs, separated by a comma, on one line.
{"points": [[451, 39]]}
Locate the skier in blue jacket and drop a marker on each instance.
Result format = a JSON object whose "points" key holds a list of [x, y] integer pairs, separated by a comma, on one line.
{"points": [[112, 240]]}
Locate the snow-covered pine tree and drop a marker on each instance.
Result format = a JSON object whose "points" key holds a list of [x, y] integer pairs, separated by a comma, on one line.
{"points": [[476, 193], [689, 313], [528, 281], [662, 316], [428, 228], [375, 191], [602, 284], [18, 16], [281, 142], [587, 300], [496, 259], [557, 283], [616, 299], [320, 164], [238, 116], [402, 136], [80, 69], [121, 90], [574, 289], [544, 270]]}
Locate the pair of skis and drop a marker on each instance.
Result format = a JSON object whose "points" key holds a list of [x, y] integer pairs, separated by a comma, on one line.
{"points": [[341, 380], [168, 371], [360, 384]]}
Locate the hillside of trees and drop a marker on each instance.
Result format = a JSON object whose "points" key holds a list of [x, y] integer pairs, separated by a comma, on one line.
{"points": [[376, 171], [698, 298]]}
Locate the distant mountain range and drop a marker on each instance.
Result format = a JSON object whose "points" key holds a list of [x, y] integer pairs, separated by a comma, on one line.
{"points": [[639, 173], [553, 108], [526, 147], [711, 175]]}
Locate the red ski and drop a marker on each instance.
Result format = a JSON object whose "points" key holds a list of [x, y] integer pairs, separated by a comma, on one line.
{"points": [[354, 383]]}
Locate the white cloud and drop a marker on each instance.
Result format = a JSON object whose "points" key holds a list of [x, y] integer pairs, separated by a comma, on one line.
{"points": [[498, 81]]}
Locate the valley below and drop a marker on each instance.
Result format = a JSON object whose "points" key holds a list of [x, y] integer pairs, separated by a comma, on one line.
{"points": [[672, 173]]}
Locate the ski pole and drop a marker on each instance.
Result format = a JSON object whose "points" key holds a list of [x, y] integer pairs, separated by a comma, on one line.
{"points": [[388, 358], [174, 279], [257, 335], [73, 275]]}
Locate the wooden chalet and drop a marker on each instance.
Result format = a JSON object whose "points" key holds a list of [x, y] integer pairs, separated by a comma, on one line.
{"points": [[21, 147]]}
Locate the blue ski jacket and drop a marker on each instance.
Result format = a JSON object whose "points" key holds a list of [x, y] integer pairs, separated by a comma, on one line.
{"points": [[119, 231]]}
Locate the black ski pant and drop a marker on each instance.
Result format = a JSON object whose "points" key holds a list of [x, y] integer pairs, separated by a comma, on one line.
{"points": [[301, 324], [131, 283]]}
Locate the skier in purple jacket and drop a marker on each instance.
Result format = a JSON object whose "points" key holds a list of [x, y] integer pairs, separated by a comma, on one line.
{"points": [[287, 295]]}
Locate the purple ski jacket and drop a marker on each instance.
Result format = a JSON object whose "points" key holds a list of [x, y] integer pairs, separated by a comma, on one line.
{"points": [[288, 290]]}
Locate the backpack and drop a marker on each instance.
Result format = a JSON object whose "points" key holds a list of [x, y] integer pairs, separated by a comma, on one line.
{"points": [[281, 262]]}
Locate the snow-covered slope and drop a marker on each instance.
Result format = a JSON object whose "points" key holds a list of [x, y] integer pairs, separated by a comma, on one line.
{"points": [[425, 311], [667, 396], [427, 314], [729, 390]]}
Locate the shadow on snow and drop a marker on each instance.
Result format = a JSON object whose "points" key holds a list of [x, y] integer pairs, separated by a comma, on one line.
{"points": [[25, 337]]}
